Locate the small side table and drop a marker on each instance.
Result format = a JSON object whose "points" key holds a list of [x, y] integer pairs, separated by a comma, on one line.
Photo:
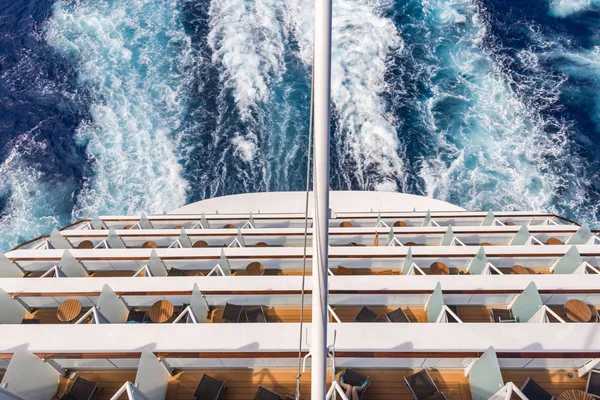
{"points": [[255, 269], [161, 311], [439, 268], [518, 270], [554, 241], [578, 311], [68, 310], [85, 244]]}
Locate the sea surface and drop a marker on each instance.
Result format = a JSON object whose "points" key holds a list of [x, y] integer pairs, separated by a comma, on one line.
{"points": [[130, 106]]}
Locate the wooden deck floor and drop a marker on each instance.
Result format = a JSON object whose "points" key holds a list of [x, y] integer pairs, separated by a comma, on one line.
{"points": [[291, 314], [386, 384]]}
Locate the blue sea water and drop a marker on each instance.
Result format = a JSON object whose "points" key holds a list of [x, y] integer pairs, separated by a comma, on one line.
{"points": [[114, 106]]}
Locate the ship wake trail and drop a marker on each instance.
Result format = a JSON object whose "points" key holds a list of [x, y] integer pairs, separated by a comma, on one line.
{"points": [[34, 201], [247, 43], [365, 143], [565, 8], [132, 58], [488, 147]]}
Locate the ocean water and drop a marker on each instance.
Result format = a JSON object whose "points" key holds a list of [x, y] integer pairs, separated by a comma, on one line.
{"points": [[123, 107]]}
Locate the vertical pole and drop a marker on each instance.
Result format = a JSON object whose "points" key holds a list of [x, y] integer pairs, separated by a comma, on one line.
{"points": [[322, 77]]}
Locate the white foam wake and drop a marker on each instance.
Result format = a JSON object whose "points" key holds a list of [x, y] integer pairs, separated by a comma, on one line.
{"points": [[363, 41], [33, 201], [565, 8], [492, 149], [131, 56], [247, 40]]}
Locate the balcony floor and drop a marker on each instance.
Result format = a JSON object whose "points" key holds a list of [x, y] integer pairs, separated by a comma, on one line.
{"points": [[386, 384]]}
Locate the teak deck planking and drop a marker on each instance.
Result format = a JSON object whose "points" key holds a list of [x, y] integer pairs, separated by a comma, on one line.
{"points": [[386, 384]]}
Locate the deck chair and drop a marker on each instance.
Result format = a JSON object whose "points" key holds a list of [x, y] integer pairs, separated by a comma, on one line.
{"points": [[366, 315], [397, 315], [232, 313], [81, 389], [136, 317], [209, 388], [502, 315], [175, 272], [353, 378], [420, 385], [593, 384], [533, 391], [256, 315], [265, 394]]}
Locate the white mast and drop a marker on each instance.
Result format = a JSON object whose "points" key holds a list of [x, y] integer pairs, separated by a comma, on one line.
{"points": [[322, 77]]}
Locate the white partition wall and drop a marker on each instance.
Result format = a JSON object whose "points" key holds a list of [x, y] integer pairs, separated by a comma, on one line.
{"points": [[8, 269], [114, 241], [569, 263], [199, 306], [111, 307], [485, 378], [156, 266], [152, 377], [57, 241], [527, 304], [70, 266], [435, 305], [11, 312], [29, 377]]}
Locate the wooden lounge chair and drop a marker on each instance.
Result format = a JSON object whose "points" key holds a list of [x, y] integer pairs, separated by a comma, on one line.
{"points": [[232, 313], [533, 391], [366, 315], [353, 378], [593, 384], [81, 389], [397, 315], [209, 388], [502, 315], [265, 394], [420, 386], [256, 315]]}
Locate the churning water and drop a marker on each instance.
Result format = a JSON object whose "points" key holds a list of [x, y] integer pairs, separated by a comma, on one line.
{"points": [[123, 107]]}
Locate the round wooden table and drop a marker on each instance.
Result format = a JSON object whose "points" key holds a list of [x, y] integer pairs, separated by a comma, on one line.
{"points": [[149, 245], [229, 226], [554, 241], [578, 311], [439, 268], [261, 244], [200, 243], [575, 395], [255, 269], [518, 270], [485, 244], [410, 244], [399, 224], [509, 223], [161, 311], [346, 224], [68, 310], [178, 227], [127, 226], [86, 244]]}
